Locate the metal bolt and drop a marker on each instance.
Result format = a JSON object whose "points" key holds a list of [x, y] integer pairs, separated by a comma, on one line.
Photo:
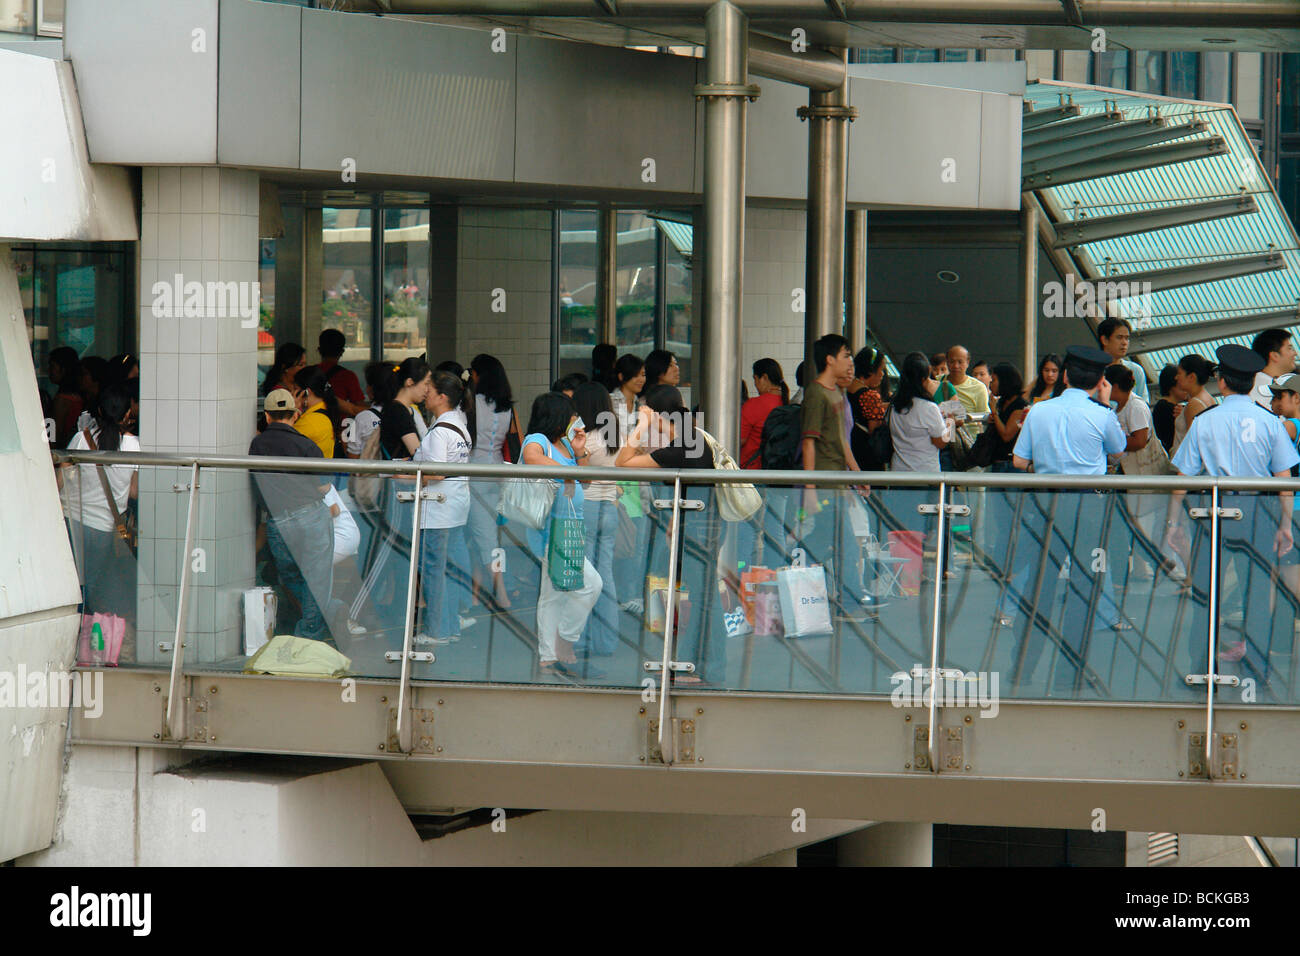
{"points": [[1180, 773], [383, 700], [641, 711], [643, 758], [907, 717], [687, 754], [157, 689], [212, 689], [439, 750], [157, 736], [1196, 768], [381, 746], [700, 759], [968, 766], [1243, 725], [440, 700], [1181, 724], [968, 718], [699, 710], [1230, 770], [907, 766]]}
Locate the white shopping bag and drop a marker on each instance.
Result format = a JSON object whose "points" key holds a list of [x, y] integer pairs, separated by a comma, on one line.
{"points": [[259, 618], [805, 609], [858, 518]]}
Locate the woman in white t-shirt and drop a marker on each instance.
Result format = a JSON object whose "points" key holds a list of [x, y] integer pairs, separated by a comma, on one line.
{"points": [[600, 512], [915, 425], [445, 508], [107, 564], [494, 420]]}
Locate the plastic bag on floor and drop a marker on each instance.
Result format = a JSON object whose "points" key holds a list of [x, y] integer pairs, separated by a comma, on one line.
{"points": [[288, 656]]}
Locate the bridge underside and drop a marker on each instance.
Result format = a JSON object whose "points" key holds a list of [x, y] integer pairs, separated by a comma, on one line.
{"points": [[1033, 764]]}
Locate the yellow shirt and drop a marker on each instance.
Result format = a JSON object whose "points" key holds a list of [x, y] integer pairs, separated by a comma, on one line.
{"points": [[316, 425]]}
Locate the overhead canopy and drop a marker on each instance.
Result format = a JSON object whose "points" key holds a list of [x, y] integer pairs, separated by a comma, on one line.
{"points": [[1148, 189]]}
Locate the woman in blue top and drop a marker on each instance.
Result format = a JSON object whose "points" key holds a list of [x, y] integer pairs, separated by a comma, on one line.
{"points": [[556, 436]]}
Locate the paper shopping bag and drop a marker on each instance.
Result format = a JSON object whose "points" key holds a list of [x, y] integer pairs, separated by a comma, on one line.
{"points": [[804, 607], [750, 579], [101, 640], [260, 608], [767, 611]]}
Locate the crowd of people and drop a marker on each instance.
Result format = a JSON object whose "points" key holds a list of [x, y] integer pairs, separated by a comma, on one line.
{"points": [[1086, 412]]}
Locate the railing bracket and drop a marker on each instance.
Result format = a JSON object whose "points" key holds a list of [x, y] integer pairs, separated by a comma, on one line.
{"points": [[1225, 763], [683, 730], [680, 667], [951, 751], [962, 511], [421, 722], [421, 657], [1232, 514]]}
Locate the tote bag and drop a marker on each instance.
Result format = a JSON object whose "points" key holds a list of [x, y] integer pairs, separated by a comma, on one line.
{"points": [[527, 500], [566, 549], [736, 502]]}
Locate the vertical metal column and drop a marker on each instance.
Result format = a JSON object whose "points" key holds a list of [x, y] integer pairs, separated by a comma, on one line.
{"points": [[828, 115], [1029, 284], [1211, 658], [175, 706], [607, 275], [856, 296], [726, 95]]}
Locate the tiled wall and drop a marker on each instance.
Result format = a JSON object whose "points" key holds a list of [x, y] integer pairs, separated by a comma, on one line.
{"points": [[507, 249], [775, 243], [198, 381]]}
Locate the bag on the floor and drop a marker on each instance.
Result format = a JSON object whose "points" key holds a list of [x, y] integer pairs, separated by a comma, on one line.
{"points": [[738, 501], [656, 605], [750, 579], [767, 611], [805, 609], [527, 500], [100, 643], [566, 551], [858, 519], [733, 612], [260, 608], [288, 656]]}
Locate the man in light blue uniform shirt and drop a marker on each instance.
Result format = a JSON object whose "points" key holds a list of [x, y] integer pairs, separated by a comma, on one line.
{"points": [[1068, 435], [1239, 439]]}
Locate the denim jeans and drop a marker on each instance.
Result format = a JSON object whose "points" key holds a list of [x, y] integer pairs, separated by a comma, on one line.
{"points": [[702, 637], [760, 541], [602, 528], [302, 545], [831, 543], [440, 617]]}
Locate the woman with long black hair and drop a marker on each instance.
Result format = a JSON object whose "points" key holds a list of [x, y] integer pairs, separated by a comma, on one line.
{"points": [[600, 513], [289, 358], [494, 422], [1049, 376]]}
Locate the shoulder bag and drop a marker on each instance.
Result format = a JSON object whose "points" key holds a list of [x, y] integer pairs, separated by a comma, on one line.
{"points": [[125, 526], [738, 501]]}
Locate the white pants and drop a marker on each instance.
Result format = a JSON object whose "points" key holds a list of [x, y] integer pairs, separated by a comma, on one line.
{"points": [[564, 613]]}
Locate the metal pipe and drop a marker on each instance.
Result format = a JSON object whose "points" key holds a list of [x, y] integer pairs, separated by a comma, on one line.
{"points": [[814, 68], [934, 638], [1258, 14], [856, 299], [726, 94], [403, 728], [1213, 638], [828, 114], [175, 712], [670, 609], [1029, 283], [607, 276]]}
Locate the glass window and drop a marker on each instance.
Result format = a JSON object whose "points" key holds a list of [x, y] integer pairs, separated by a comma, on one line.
{"points": [[577, 290], [347, 282], [1215, 68], [1291, 93], [1249, 84], [635, 283], [911, 55], [1040, 64], [1184, 69], [959, 56], [406, 284], [683, 330], [51, 24], [1150, 77], [266, 321], [1288, 185], [1112, 69], [1074, 66], [879, 55], [17, 16], [999, 56]]}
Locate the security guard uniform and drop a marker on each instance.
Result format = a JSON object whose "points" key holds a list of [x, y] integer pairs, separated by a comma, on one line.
{"points": [[1239, 439], [1068, 435]]}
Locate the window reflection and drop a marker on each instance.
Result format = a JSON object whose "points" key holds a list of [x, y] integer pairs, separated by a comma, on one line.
{"points": [[635, 283], [911, 55], [347, 276], [683, 324], [406, 282], [1150, 76], [577, 290], [1112, 69], [1215, 68], [17, 16], [1184, 66]]}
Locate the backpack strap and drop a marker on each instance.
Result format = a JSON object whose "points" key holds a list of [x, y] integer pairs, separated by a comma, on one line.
{"points": [[453, 428]]}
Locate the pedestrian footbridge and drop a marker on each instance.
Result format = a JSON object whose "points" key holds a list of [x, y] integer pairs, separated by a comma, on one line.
{"points": [[1033, 654]]}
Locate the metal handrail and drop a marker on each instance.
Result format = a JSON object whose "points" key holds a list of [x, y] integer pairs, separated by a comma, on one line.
{"points": [[689, 476]]}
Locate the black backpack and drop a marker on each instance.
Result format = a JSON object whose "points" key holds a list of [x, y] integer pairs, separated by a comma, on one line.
{"points": [[781, 445]]}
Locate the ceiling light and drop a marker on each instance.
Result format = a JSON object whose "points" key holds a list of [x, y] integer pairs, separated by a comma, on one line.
{"points": [[947, 275], [1217, 40]]}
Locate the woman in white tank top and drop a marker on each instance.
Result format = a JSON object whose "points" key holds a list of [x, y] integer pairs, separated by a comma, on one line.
{"points": [[494, 417], [1193, 372]]}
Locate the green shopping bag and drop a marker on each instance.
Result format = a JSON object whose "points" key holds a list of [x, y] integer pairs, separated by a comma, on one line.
{"points": [[566, 551]]}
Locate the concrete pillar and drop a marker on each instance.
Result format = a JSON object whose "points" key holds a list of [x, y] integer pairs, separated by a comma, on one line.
{"points": [[1029, 285], [607, 276], [198, 394], [855, 329], [888, 844], [726, 95], [828, 115]]}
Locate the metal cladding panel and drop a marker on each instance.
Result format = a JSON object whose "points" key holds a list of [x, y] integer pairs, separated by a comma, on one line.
{"points": [[915, 146], [1000, 117], [147, 70], [405, 99], [1237, 172], [593, 115], [50, 190], [260, 106], [776, 148]]}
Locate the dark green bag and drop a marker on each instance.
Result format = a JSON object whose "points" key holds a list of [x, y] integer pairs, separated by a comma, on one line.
{"points": [[566, 551]]}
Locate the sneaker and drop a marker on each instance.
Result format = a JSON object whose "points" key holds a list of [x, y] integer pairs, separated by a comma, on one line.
{"points": [[355, 628], [426, 639], [466, 622]]}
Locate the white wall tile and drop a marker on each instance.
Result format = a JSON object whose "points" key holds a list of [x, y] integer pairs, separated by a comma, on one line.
{"points": [[169, 189], [168, 236], [191, 189]]}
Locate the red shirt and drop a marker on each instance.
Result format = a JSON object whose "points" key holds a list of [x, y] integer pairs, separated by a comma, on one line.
{"points": [[752, 417], [344, 382]]}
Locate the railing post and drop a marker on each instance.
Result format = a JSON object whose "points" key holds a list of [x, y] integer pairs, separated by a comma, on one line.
{"points": [[1213, 636], [175, 708], [403, 725], [670, 619], [939, 569]]}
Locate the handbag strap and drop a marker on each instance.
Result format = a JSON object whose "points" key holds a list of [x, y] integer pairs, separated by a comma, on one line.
{"points": [[103, 483]]}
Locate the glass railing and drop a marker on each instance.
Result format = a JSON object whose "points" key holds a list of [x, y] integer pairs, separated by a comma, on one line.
{"points": [[1014, 586]]}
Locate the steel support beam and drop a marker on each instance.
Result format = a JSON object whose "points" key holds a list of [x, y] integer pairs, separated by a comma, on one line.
{"points": [[856, 295], [1215, 271], [1176, 336], [607, 275], [726, 95], [1029, 284], [1078, 232], [828, 115], [1036, 119], [814, 68], [1103, 137], [1127, 163], [1106, 150], [1055, 132]]}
